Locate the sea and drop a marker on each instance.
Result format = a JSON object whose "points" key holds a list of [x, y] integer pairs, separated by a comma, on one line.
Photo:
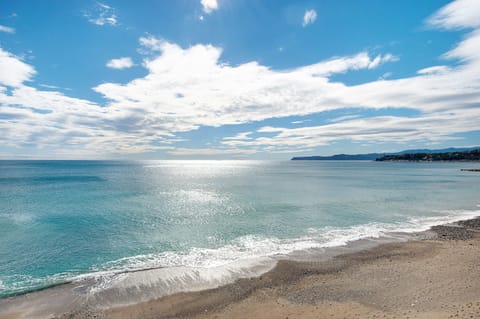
{"points": [[187, 225]]}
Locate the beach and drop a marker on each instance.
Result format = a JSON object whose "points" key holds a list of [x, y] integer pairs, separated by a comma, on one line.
{"points": [[179, 239], [434, 276]]}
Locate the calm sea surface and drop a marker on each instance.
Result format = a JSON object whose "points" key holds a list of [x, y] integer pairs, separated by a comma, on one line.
{"points": [[63, 219]]}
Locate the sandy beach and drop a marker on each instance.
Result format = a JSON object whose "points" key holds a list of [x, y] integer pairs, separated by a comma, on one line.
{"points": [[428, 278], [436, 278]]}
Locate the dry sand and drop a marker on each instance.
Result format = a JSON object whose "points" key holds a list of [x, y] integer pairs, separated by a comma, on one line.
{"points": [[418, 279], [435, 278]]}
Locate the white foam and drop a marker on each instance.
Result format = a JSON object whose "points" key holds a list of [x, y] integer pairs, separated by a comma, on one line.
{"points": [[18, 218], [140, 286], [12, 284], [247, 256]]}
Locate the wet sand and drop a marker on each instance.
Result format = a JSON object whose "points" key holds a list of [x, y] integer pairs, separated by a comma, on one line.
{"points": [[433, 278], [418, 279]]}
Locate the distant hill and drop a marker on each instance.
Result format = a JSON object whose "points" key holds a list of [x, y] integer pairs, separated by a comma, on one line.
{"points": [[433, 157], [341, 157], [374, 156]]}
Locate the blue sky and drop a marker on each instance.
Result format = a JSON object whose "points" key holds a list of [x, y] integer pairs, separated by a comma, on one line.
{"points": [[236, 78]]}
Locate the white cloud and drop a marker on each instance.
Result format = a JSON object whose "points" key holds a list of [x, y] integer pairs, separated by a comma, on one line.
{"points": [[48, 86], [240, 136], [466, 50], [269, 129], [385, 76], [13, 71], [6, 29], [210, 97], [438, 69], [209, 5], [309, 17], [208, 94], [102, 14], [58, 124], [152, 43], [343, 64], [120, 63], [460, 14], [457, 15], [186, 88], [429, 128], [343, 118], [209, 151]]}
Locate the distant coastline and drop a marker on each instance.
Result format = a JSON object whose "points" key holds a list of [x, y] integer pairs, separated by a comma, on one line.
{"points": [[427, 155], [469, 156]]}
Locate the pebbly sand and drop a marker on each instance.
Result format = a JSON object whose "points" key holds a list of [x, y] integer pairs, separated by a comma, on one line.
{"points": [[432, 278]]}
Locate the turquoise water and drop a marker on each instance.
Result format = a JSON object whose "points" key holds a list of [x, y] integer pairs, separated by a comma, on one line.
{"points": [[61, 220]]}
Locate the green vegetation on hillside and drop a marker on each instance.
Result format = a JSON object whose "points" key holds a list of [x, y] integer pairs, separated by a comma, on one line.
{"points": [[431, 157]]}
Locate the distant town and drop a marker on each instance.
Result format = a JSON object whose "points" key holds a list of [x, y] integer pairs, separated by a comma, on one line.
{"points": [[420, 155], [434, 157]]}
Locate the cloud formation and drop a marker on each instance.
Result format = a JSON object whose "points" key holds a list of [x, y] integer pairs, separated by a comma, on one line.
{"points": [[102, 14], [459, 14], [120, 63], [187, 88], [6, 29], [209, 5], [13, 71], [209, 151], [309, 17]]}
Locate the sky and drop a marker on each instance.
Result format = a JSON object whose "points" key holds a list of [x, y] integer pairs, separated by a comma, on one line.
{"points": [[236, 79]]}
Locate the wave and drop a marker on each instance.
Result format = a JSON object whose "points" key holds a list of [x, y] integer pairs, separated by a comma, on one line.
{"points": [[143, 277], [15, 285], [51, 179], [249, 246]]}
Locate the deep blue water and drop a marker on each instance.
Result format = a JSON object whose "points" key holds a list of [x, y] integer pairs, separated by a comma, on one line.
{"points": [[61, 219]]}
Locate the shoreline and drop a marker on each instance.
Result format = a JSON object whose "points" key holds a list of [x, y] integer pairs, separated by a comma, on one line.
{"points": [[348, 239], [286, 274], [369, 282]]}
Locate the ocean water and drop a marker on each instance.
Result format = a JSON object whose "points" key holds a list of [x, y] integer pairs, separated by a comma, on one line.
{"points": [[74, 220]]}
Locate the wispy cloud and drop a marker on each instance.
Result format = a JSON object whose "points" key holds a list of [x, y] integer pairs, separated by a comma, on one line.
{"points": [[385, 76], [240, 136], [299, 122], [152, 43], [337, 65], [429, 128], [458, 14], [102, 14], [209, 5], [309, 17], [438, 69], [120, 63], [48, 86], [209, 151], [343, 118], [6, 29]]}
